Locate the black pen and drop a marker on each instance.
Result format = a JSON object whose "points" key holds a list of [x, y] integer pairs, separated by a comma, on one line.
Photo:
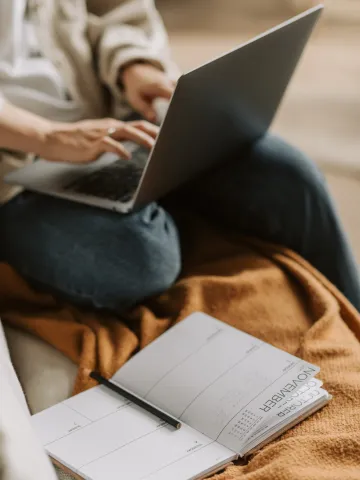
{"points": [[149, 407]]}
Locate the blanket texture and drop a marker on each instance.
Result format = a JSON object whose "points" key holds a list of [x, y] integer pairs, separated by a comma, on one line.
{"points": [[264, 290]]}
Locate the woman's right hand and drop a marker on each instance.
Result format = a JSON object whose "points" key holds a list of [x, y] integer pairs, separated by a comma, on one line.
{"points": [[83, 142]]}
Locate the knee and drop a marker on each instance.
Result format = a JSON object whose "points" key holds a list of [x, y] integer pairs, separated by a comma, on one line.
{"points": [[148, 265], [158, 264], [149, 275], [296, 171]]}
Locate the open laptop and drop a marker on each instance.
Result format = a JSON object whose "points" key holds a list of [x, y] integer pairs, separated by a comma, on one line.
{"points": [[216, 110]]}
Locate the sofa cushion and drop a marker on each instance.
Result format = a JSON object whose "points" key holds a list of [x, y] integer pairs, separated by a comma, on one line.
{"points": [[46, 375]]}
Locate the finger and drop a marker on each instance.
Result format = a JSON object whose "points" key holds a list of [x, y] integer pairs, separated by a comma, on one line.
{"points": [[147, 127], [144, 107], [128, 132], [99, 127], [164, 90], [108, 144]]}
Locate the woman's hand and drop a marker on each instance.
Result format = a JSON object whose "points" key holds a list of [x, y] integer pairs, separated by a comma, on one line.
{"points": [[143, 83], [83, 142]]}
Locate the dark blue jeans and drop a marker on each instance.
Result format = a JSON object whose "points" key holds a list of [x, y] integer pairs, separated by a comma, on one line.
{"points": [[95, 257]]}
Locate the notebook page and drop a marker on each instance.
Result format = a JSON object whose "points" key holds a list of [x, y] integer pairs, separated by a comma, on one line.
{"points": [[98, 434], [143, 372], [305, 395], [285, 426], [235, 432], [213, 377], [179, 455], [294, 407]]}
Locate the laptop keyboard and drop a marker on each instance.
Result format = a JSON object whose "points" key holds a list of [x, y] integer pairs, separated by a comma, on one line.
{"points": [[117, 181]]}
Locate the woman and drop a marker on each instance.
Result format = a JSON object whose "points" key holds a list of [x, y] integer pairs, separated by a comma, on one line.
{"points": [[63, 62]]}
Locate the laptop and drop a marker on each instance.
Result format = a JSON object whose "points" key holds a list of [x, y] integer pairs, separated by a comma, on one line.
{"points": [[216, 110]]}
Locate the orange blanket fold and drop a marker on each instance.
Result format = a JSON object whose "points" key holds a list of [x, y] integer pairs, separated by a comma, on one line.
{"points": [[261, 289]]}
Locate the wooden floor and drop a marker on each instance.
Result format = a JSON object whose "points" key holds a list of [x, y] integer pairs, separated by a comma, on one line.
{"points": [[321, 110]]}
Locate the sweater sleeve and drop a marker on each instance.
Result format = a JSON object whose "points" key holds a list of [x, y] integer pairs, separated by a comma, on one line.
{"points": [[131, 30]]}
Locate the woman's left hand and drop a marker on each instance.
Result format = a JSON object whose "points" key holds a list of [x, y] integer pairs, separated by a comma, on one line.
{"points": [[143, 83]]}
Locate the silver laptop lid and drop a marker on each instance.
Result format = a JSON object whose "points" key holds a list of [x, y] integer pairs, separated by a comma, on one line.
{"points": [[220, 107]]}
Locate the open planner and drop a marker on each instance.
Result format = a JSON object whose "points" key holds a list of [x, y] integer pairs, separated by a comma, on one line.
{"points": [[232, 393]]}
